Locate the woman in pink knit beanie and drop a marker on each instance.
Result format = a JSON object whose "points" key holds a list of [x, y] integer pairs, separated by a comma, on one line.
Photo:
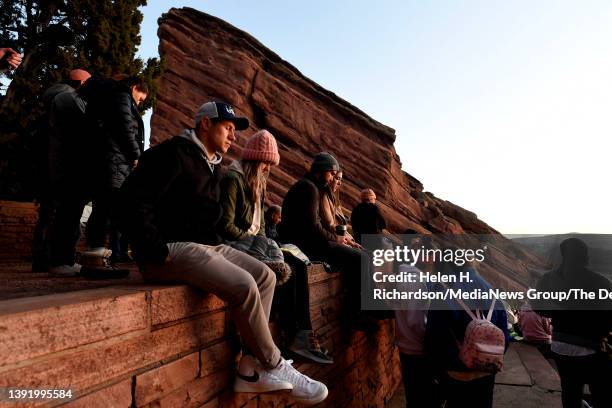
{"points": [[243, 188]]}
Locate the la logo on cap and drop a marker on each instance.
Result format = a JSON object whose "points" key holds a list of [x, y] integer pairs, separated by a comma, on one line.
{"points": [[230, 110]]}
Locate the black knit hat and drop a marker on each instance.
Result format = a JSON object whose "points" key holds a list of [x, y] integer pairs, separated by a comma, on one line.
{"points": [[323, 162]]}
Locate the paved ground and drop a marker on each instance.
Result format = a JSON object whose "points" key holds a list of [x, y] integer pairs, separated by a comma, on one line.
{"points": [[527, 381]]}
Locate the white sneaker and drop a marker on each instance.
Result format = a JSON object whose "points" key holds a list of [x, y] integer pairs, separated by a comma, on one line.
{"points": [[252, 377], [65, 270], [305, 390], [101, 252]]}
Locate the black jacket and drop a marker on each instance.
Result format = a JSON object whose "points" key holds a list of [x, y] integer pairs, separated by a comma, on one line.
{"points": [[123, 137], [301, 223], [581, 322], [42, 156], [171, 196], [68, 145], [367, 219]]}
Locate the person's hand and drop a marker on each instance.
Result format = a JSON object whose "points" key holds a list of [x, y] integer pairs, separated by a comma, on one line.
{"points": [[342, 240], [355, 244], [10, 58]]}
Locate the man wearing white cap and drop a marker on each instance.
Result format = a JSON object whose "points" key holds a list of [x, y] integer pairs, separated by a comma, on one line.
{"points": [[171, 210]]}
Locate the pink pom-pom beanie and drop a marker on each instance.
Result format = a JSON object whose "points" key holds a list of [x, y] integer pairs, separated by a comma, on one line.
{"points": [[262, 147]]}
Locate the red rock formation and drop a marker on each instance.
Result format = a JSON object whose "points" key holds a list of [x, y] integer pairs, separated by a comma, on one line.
{"points": [[208, 58]]}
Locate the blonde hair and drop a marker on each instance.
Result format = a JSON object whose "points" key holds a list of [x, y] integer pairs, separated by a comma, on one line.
{"points": [[255, 178]]}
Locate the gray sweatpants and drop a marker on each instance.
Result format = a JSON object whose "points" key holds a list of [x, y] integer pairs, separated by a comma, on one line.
{"points": [[245, 283]]}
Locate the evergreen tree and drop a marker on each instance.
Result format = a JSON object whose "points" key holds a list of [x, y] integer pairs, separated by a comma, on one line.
{"points": [[56, 36]]}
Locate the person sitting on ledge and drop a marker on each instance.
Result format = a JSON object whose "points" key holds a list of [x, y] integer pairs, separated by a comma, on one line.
{"points": [[170, 211], [331, 210], [243, 190], [301, 225]]}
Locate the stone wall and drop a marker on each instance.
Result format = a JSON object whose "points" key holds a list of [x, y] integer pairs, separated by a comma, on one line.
{"points": [[17, 221], [172, 346]]}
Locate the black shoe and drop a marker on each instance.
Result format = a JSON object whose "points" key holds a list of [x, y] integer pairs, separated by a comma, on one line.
{"points": [[40, 266]]}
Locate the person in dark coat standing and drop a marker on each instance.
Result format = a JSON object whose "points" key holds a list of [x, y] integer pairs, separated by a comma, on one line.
{"points": [[46, 207], [582, 329], [121, 139], [62, 199]]}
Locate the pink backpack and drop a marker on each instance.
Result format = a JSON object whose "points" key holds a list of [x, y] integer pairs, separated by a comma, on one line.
{"points": [[484, 343]]}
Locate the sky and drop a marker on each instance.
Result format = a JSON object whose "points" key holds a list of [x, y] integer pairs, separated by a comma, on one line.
{"points": [[501, 107]]}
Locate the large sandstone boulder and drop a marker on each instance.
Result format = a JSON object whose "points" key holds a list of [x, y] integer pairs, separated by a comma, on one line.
{"points": [[209, 58]]}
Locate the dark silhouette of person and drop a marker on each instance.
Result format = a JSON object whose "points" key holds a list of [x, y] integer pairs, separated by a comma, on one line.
{"points": [[366, 217], [582, 329]]}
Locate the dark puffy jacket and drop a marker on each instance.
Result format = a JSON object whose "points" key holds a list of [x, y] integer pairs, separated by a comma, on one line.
{"points": [[53, 91], [301, 223], [123, 137], [68, 144], [42, 136], [171, 196]]}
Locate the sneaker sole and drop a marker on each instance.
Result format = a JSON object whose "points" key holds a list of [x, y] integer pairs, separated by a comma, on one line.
{"points": [[244, 386], [313, 400], [97, 254], [311, 357]]}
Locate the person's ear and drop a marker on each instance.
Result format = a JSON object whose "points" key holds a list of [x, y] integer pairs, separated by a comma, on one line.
{"points": [[204, 124]]}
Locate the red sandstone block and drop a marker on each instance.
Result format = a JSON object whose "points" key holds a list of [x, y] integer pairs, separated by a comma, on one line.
{"points": [[31, 327], [322, 291], [90, 366], [316, 273], [216, 358], [14, 217], [230, 399], [161, 381], [178, 302], [274, 400], [214, 403], [195, 393], [118, 395], [17, 204]]}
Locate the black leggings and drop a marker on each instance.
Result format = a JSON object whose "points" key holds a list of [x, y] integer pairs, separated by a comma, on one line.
{"points": [[594, 370], [102, 219], [292, 299], [65, 230]]}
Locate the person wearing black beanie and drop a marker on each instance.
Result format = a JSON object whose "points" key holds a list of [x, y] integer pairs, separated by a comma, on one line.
{"points": [[301, 225]]}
